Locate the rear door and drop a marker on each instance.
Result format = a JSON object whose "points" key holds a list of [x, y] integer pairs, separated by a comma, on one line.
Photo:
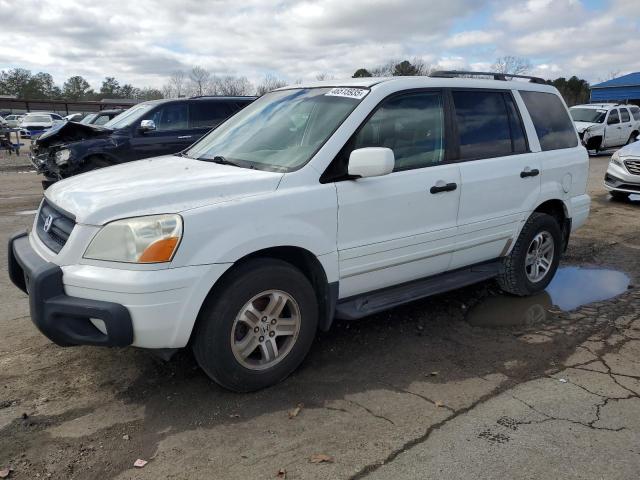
{"points": [[396, 228], [172, 133], [500, 180], [626, 124], [205, 115]]}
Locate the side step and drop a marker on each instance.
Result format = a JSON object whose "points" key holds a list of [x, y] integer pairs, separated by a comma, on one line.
{"points": [[369, 303]]}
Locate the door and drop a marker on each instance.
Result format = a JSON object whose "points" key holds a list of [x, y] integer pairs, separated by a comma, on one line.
{"points": [[172, 133], [206, 114], [398, 227], [626, 125], [613, 130], [500, 180]]}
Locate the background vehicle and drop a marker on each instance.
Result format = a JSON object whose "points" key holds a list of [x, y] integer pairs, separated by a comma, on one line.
{"points": [[36, 123], [101, 117], [606, 125], [313, 202], [3, 122], [149, 129], [623, 174], [75, 117], [14, 120]]}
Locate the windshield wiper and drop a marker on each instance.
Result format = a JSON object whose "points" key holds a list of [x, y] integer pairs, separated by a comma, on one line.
{"points": [[220, 160]]}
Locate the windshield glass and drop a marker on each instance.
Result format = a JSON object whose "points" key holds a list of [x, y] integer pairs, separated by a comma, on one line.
{"points": [[591, 115], [37, 119], [129, 117], [89, 118], [280, 131]]}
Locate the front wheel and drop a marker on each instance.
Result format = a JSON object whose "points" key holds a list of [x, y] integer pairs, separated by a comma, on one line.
{"points": [[258, 325], [533, 262]]}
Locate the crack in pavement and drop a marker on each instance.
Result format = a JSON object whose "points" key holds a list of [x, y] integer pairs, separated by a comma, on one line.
{"points": [[381, 417], [426, 399]]}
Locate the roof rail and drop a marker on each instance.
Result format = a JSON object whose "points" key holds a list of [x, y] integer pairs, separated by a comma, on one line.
{"points": [[495, 75]]}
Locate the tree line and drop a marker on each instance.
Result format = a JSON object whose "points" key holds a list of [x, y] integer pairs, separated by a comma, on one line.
{"points": [[200, 81], [23, 84]]}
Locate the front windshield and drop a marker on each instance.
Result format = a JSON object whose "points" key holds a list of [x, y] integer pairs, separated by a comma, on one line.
{"points": [[591, 115], [37, 119], [129, 117], [280, 131]]}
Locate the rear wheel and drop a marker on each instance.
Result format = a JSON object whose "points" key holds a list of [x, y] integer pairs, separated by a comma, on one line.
{"points": [[533, 262], [258, 326], [632, 138]]}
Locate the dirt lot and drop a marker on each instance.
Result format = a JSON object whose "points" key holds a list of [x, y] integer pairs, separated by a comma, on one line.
{"points": [[423, 391]]}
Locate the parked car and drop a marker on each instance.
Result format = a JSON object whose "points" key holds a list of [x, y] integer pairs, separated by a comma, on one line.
{"points": [[4, 123], [149, 129], [102, 117], [623, 173], [321, 201], [75, 117], [14, 120], [606, 125], [36, 123]]}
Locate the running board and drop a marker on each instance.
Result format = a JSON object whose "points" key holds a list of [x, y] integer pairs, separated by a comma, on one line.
{"points": [[359, 306]]}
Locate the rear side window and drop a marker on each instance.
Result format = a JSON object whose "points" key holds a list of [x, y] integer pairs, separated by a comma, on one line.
{"points": [[488, 125], [624, 115], [550, 118], [635, 111], [209, 114]]}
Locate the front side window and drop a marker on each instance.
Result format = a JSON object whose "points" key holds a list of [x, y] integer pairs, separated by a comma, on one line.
{"points": [[614, 117], [281, 131], [550, 118], [134, 115], [411, 125], [624, 115], [488, 125], [172, 116]]}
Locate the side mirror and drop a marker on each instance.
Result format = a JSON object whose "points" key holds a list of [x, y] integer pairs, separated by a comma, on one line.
{"points": [[147, 125], [371, 162]]}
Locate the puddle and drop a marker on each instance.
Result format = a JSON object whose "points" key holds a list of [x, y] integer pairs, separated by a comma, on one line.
{"points": [[571, 288]]}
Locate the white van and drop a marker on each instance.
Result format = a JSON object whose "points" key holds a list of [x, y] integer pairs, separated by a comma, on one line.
{"points": [[329, 200]]}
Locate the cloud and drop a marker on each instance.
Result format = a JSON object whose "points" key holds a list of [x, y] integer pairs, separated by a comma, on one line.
{"points": [[142, 42]]}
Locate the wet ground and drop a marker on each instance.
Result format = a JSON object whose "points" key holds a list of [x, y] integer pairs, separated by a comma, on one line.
{"points": [[470, 384]]}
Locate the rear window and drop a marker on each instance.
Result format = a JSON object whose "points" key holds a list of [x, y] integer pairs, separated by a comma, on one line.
{"points": [[488, 125], [550, 118]]}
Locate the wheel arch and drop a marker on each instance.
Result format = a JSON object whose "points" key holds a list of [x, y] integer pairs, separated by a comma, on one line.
{"points": [[304, 260], [558, 210]]}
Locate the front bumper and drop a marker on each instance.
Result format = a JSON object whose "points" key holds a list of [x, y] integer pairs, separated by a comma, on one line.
{"points": [[619, 179], [64, 319]]}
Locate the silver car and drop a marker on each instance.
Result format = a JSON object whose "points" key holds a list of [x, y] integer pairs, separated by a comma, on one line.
{"points": [[623, 174]]}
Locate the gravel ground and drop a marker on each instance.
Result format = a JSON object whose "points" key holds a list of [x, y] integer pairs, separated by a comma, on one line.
{"points": [[416, 392]]}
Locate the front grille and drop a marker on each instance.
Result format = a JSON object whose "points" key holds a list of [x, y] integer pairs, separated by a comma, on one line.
{"points": [[633, 166], [33, 128], [59, 226]]}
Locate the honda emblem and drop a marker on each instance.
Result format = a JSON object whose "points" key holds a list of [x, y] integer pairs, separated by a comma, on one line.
{"points": [[47, 223]]}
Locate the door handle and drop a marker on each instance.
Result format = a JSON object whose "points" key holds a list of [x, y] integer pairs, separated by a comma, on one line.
{"points": [[527, 172], [184, 137], [443, 187]]}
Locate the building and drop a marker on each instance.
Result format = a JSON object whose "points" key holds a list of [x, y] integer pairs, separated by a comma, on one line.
{"points": [[625, 89], [62, 107]]}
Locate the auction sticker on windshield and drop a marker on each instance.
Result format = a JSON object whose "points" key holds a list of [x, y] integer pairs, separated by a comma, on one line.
{"points": [[357, 93]]}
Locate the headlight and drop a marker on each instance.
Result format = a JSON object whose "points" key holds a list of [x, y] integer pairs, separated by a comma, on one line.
{"points": [[62, 156], [152, 239], [615, 159]]}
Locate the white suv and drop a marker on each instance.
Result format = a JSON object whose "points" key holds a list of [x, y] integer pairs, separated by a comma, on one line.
{"points": [[330, 200], [606, 125]]}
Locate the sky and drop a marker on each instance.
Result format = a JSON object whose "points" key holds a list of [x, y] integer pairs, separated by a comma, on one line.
{"points": [[142, 42]]}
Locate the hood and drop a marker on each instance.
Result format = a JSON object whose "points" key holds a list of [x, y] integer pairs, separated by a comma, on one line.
{"points": [[582, 126], [168, 184], [631, 150], [71, 132]]}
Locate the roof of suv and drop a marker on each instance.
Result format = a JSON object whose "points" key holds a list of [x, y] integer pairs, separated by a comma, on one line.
{"points": [[598, 106], [425, 82]]}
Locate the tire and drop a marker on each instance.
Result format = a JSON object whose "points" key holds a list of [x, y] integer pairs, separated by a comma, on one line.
{"points": [[221, 328], [632, 138], [620, 196], [514, 276]]}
